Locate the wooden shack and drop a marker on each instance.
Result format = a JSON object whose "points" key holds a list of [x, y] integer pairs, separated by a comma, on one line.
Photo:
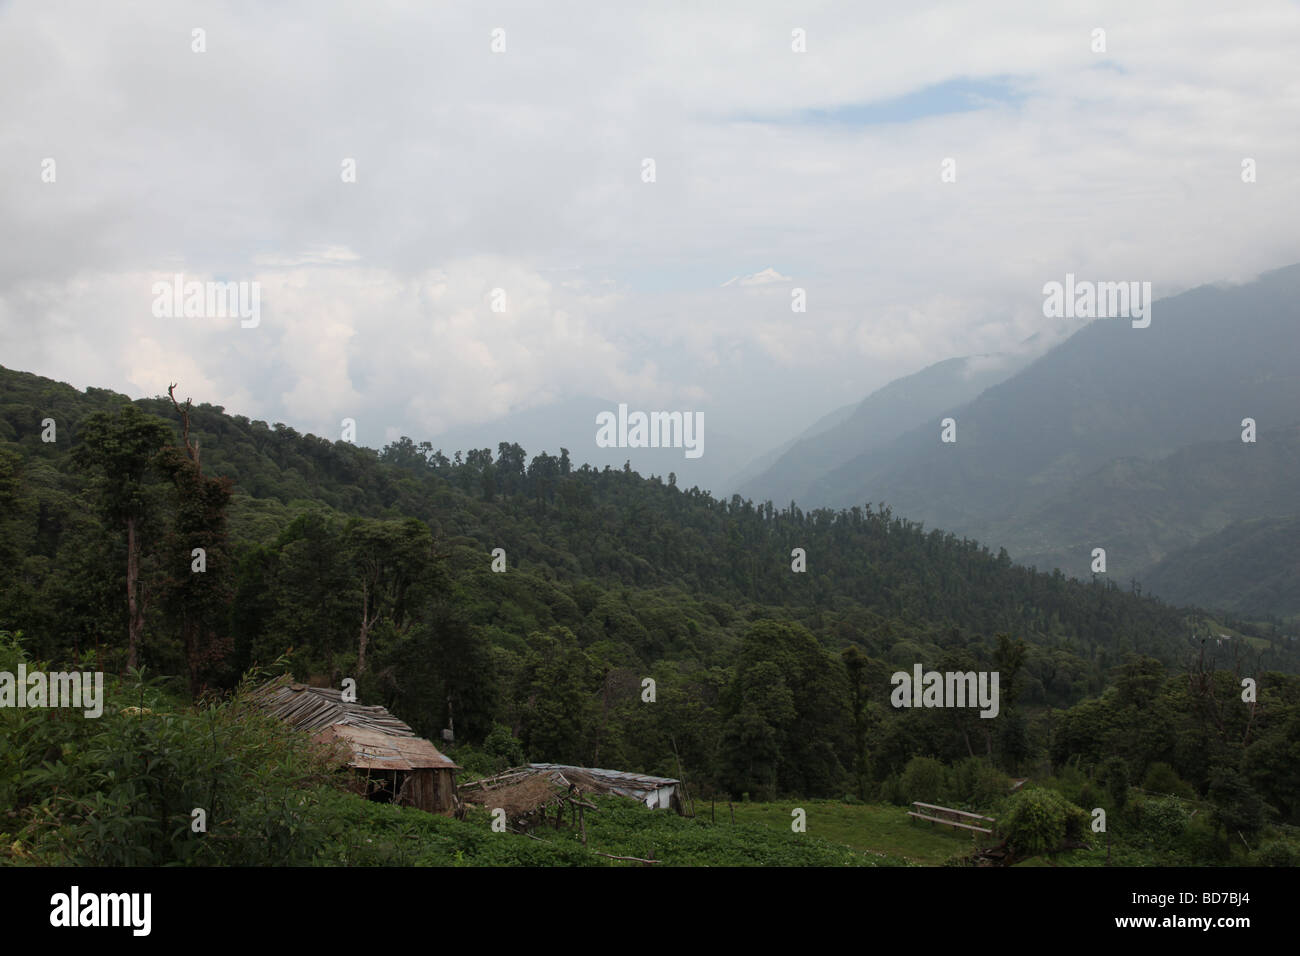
{"points": [[392, 764]]}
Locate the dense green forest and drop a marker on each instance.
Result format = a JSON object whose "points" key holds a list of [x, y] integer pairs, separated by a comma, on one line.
{"points": [[768, 682]]}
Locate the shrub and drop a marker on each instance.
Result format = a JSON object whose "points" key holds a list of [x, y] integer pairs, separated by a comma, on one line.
{"points": [[1113, 775], [1237, 807], [891, 791], [1161, 819], [924, 779], [1088, 797], [475, 763], [979, 784], [1276, 853], [1041, 821], [122, 788], [1161, 778], [502, 744], [1071, 783]]}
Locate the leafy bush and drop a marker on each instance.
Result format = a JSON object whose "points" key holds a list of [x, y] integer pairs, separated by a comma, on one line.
{"points": [[924, 779], [475, 763], [1161, 819], [978, 784], [1071, 783], [1114, 776], [891, 791], [1276, 853], [121, 790], [1161, 778], [504, 746], [1237, 806], [1038, 820]]}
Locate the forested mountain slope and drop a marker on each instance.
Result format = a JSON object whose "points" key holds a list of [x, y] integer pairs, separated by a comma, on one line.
{"points": [[1123, 438], [380, 565]]}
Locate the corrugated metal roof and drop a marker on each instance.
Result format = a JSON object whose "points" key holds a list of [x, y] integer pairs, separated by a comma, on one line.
{"points": [[638, 780], [378, 740], [637, 786]]}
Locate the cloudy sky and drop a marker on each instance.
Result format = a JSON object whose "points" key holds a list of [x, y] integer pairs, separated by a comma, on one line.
{"points": [[523, 170]]}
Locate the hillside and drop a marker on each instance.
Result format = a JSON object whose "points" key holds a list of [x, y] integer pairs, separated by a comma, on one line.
{"points": [[884, 415], [380, 565], [1119, 437], [1145, 511], [1250, 568]]}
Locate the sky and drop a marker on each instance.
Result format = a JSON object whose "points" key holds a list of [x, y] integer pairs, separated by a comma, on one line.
{"points": [[523, 169]]}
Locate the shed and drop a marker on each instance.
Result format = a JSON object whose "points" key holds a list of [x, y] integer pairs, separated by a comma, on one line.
{"points": [[657, 793], [521, 788], [394, 764]]}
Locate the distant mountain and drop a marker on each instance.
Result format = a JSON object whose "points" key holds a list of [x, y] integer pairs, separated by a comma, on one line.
{"points": [[1249, 568], [768, 459], [1144, 511], [1120, 437], [794, 471]]}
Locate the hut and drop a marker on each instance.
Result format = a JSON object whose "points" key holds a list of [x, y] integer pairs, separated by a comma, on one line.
{"points": [[657, 793], [526, 793], [392, 763]]}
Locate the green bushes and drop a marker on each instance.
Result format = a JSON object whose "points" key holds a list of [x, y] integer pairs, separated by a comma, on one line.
{"points": [[1113, 776], [1161, 778], [1037, 820], [1276, 853], [977, 783], [924, 779], [972, 783], [123, 789], [1162, 820]]}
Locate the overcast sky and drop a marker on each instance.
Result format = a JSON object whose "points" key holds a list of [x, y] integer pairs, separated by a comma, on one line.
{"points": [[523, 170]]}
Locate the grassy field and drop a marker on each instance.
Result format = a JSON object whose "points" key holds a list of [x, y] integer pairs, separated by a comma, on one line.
{"points": [[376, 834], [888, 830], [871, 828]]}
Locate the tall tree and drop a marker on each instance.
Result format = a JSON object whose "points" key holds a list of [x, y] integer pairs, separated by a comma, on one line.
{"points": [[389, 560], [121, 450], [197, 586]]}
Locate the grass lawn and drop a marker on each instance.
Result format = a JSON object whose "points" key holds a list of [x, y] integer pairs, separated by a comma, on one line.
{"points": [[874, 828]]}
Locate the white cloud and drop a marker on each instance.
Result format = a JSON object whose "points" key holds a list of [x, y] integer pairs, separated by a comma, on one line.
{"points": [[522, 171], [765, 277]]}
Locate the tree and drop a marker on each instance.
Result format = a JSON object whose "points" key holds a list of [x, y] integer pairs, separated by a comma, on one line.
{"points": [[1237, 807], [557, 698], [389, 560], [120, 450], [196, 587], [1113, 775], [786, 680], [856, 664]]}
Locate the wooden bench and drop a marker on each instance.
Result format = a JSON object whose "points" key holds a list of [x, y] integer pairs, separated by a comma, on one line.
{"points": [[952, 817]]}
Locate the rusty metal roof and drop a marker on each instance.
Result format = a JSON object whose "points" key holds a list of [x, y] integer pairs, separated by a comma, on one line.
{"points": [[378, 740]]}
